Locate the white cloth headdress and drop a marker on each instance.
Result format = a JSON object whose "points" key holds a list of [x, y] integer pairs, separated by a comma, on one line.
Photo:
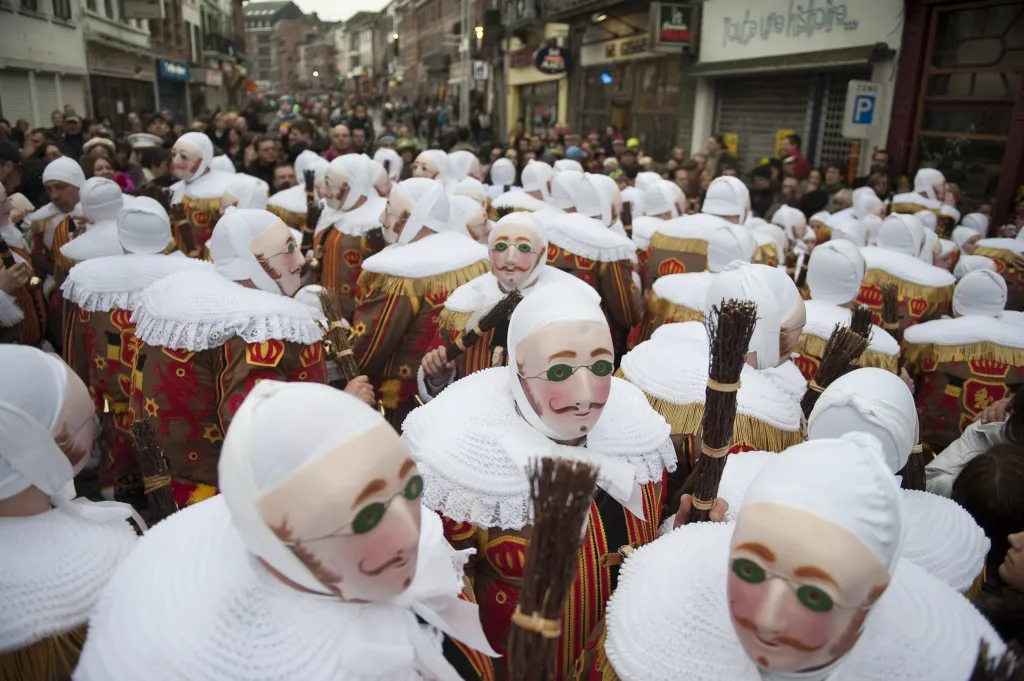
{"points": [[462, 208], [439, 159], [645, 179], [392, 162], [873, 226], [872, 401], [430, 207], [727, 197], [591, 199], [902, 233], [563, 189], [659, 198], [304, 162], [978, 222], [963, 234], [928, 247], [503, 173], [230, 246], [928, 219], [101, 199], [741, 281], [835, 272], [202, 143], [144, 227], [249, 191], [223, 164], [567, 164], [865, 202], [65, 170], [609, 192], [787, 217], [981, 293], [844, 481], [471, 188], [854, 231], [727, 243], [461, 164], [969, 263], [534, 225], [356, 171], [536, 176], [925, 181]]}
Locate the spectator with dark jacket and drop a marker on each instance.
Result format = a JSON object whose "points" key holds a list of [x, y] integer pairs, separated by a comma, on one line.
{"points": [[266, 160], [360, 119]]}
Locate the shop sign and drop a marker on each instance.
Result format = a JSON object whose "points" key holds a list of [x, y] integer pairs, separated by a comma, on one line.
{"points": [[481, 70], [672, 29], [743, 29], [552, 60], [521, 58], [780, 137], [859, 114], [214, 78], [732, 143], [172, 70], [619, 49]]}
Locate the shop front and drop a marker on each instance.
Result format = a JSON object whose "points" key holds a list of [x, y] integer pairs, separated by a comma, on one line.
{"points": [[537, 83], [774, 67], [959, 102], [172, 85], [120, 81]]}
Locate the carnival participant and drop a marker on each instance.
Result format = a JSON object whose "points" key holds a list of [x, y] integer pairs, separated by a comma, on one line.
{"points": [[49, 226], [23, 309], [59, 552], [206, 338], [774, 602], [431, 164], [930, 193], [474, 442], [223, 164], [967, 363], [290, 204], [835, 273], [102, 294], [772, 242], [318, 548], [502, 176], [404, 287], [245, 191], [352, 207], [199, 189], [391, 162], [467, 213], [794, 224], [517, 249], [1007, 254], [536, 189], [101, 200]]}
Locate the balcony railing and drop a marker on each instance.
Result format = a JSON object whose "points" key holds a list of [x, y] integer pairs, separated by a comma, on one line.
{"points": [[560, 10], [221, 44]]}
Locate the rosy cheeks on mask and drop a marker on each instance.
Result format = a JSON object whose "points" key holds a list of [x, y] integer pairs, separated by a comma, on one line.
{"points": [[479, 227], [73, 430], [423, 169], [280, 257], [513, 261]]}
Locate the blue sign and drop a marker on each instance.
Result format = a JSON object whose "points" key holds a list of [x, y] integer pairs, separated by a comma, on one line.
{"points": [[863, 109], [552, 60], [172, 70]]}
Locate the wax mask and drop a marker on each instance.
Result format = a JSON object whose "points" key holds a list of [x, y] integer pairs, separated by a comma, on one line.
{"points": [[515, 253], [800, 227], [5, 205], [799, 587], [337, 186], [276, 251], [73, 428], [566, 369], [394, 217], [791, 330], [352, 516], [479, 226], [423, 166], [382, 183], [185, 161], [476, 171]]}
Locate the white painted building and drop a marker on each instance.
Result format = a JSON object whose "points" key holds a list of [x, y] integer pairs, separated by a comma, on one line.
{"points": [[122, 71], [42, 59]]}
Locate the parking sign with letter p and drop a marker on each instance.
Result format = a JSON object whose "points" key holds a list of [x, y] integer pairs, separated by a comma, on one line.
{"points": [[861, 100]]}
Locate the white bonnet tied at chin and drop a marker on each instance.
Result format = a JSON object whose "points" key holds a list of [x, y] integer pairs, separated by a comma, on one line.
{"points": [[223, 164], [202, 143], [430, 208], [64, 169], [978, 222], [503, 173], [868, 400], [559, 303], [305, 161], [788, 217], [727, 243], [727, 197], [928, 219], [438, 159], [659, 199], [568, 165], [231, 246], [246, 191], [866, 202], [259, 453], [968, 263], [356, 171], [854, 231], [842, 480], [741, 281], [462, 208], [101, 199], [925, 181], [835, 272], [536, 176], [981, 293], [902, 233], [563, 189], [143, 227], [391, 160]]}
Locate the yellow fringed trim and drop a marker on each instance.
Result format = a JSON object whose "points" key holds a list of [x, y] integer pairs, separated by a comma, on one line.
{"points": [[813, 346], [608, 673], [54, 657], [916, 352], [1001, 254], [672, 313], [453, 320], [767, 253], [445, 282], [932, 294], [911, 208], [975, 588], [680, 244], [290, 218]]}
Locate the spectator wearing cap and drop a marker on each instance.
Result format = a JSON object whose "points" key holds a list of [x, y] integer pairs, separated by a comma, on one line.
{"points": [[593, 139], [619, 146], [386, 140], [795, 163], [10, 167]]}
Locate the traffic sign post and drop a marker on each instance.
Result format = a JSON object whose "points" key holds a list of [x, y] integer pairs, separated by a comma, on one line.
{"points": [[862, 100]]}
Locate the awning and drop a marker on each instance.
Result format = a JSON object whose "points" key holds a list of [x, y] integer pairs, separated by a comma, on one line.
{"points": [[805, 61]]}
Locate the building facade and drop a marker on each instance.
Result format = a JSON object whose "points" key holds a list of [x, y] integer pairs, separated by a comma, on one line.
{"points": [[122, 72], [273, 33]]}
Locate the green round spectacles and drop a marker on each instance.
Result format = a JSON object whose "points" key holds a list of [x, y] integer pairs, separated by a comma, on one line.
{"points": [[811, 597], [557, 373], [503, 246], [369, 516]]}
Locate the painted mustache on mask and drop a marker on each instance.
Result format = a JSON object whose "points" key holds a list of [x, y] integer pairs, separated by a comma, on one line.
{"points": [[573, 407], [513, 268], [781, 640]]}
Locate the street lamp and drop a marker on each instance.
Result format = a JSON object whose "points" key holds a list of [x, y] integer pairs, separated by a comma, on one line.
{"points": [[394, 36], [479, 32], [316, 74]]}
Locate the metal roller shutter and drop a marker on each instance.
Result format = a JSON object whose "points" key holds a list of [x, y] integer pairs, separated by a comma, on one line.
{"points": [[832, 146], [46, 98], [755, 109], [72, 91], [15, 100]]}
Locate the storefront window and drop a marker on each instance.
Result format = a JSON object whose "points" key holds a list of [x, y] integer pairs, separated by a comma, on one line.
{"points": [[538, 106], [975, 65]]}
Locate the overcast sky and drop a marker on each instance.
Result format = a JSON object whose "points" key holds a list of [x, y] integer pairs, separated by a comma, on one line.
{"points": [[337, 10]]}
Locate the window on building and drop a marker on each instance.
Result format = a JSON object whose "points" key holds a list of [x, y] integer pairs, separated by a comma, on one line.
{"points": [[264, 51], [90, 5], [108, 8], [30, 5], [62, 9]]}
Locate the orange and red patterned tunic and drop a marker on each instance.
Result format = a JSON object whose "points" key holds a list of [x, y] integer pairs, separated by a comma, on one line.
{"points": [[30, 299], [341, 263]]}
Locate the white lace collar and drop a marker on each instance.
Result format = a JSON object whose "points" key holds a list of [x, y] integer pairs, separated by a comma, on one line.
{"points": [[431, 255], [357, 221], [906, 267], [482, 293], [196, 311], [54, 567], [211, 185], [52, 217], [966, 330], [644, 228], [517, 198], [117, 281], [462, 442], [788, 377], [589, 238], [216, 613], [99, 240], [661, 370], [689, 289], [919, 629], [292, 199], [822, 318]]}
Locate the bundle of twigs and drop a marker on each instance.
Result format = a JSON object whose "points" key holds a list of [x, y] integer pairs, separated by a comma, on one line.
{"points": [[861, 322], [627, 218], [730, 328], [312, 210], [891, 308], [335, 337], [72, 227], [183, 226], [155, 475], [502, 211], [913, 470], [844, 347], [1005, 667], [561, 491], [6, 256], [375, 240], [501, 310], [157, 193]]}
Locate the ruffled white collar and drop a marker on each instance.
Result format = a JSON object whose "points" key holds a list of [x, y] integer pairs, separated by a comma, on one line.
{"points": [[292, 199], [211, 185], [431, 255], [52, 217], [822, 318], [918, 629], [644, 228], [1015, 246], [482, 293], [965, 330], [517, 198], [472, 447], [788, 377], [689, 289], [117, 281], [54, 567], [588, 237], [906, 267], [99, 240], [216, 613], [197, 311], [367, 216]]}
